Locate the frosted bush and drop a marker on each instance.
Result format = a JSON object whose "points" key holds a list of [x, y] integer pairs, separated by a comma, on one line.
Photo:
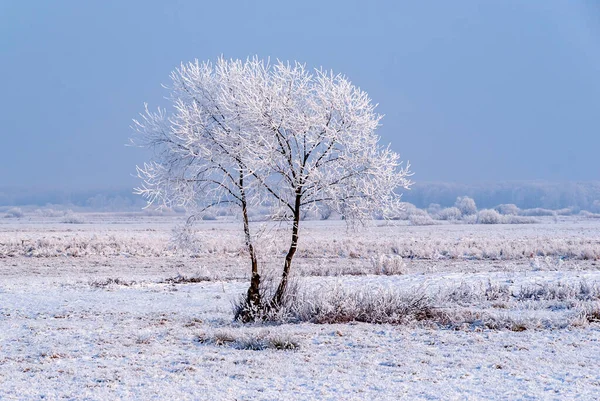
{"points": [[538, 211], [49, 212], [325, 212], [406, 210], [370, 305], [508, 209], [450, 213], [588, 215], [184, 238], [466, 205], [512, 219], [72, 219], [389, 265], [488, 216], [421, 219], [15, 212], [595, 206], [433, 209], [567, 211], [470, 219]]}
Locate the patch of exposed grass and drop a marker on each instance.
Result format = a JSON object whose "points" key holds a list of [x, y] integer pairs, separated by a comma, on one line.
{"points": [[253, 341]]}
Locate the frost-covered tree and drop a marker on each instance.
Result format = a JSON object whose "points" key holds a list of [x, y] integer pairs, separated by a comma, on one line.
{"points": [[508, 209], [488, 216], [466, 205], [251, 133]]}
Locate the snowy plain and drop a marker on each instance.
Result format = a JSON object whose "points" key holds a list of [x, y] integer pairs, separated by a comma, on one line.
{"points": [[95, 311]]}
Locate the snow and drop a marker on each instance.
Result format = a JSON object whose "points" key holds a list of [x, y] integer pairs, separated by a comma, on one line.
{"points": [[63, 335]]}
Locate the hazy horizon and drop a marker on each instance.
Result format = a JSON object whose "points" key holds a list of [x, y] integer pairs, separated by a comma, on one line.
{"points": [[472, 92]]}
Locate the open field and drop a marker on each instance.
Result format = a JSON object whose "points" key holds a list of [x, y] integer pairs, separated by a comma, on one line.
{"points": [[111, 309]]}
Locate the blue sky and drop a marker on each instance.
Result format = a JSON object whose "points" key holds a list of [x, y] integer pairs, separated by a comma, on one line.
{"points": [[472, 91]]}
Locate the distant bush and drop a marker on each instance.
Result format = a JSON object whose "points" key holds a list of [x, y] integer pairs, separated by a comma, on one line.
{"points": [[72, 219], [421, 219], [222, 212], [48, 212], [512, 219], [15, 212], [595, 206], [433, 209], [589, 215], [466, 205], [163, 211], [567, 211], [488, 216], [537, 212], [508, 209], [470, 219], [450, 213], [407, 210], [325, 212]]}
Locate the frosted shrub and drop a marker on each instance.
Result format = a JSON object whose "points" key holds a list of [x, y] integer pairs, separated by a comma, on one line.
{"points": [[588, 215], [466, 205], [470, 219], [325, 212], [421, 219], [512, 219], [567, 211], [433, 209], [184, 238], [508, 209], [582, 291], [48, 212], [71, 218], [450, 213], [388, 265], [15, 212], [595, 206], [368, 305], [538, 211], [488, 216], [405, 210]]}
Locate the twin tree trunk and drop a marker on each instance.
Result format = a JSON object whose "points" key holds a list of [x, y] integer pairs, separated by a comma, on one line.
{"points": [[253, 300], [254, 303]]}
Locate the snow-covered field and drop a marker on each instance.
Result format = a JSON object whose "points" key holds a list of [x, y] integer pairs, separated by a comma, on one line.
{"points": [[96, 311]]}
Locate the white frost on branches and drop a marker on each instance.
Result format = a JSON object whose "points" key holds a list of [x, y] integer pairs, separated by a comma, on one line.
{"points": [[249, 133]]}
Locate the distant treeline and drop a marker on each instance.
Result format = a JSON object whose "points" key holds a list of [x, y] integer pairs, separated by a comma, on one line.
{"points": [[98, 200], [525, 195]]}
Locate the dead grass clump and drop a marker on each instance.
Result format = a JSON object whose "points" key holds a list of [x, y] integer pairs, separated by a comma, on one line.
{"points": [[368, 305], [466, 294], [591, 313], [181, 279], [583, 291], [109, 282], [254, 341]]}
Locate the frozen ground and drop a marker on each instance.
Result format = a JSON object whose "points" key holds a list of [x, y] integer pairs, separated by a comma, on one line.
{"points": [[68, 331]]}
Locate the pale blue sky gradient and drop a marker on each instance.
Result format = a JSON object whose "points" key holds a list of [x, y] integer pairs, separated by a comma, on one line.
{"points": [[473, 91]]}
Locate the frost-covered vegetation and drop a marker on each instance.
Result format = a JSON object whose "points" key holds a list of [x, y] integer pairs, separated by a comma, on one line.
{"points": [[220, 238], [14, 212], [120, 308]]}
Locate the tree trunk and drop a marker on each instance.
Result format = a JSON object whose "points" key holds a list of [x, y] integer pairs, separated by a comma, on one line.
{"points": [[253, 298], [277, 301]]}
